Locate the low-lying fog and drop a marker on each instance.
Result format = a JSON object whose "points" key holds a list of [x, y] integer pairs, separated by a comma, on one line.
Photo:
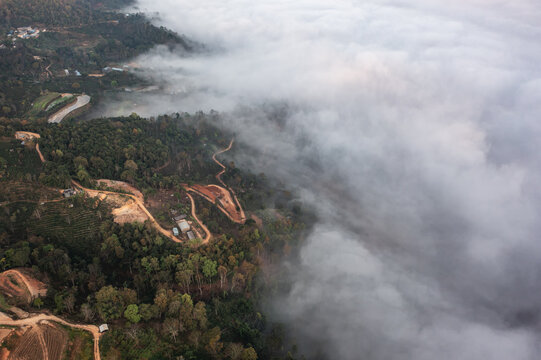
{"points": [[420, 121]]}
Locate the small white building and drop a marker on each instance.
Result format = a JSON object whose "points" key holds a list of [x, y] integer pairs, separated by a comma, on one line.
{"points": [[103, 328], [191, 235], [184, 226], [175, 231], [68, 192]]}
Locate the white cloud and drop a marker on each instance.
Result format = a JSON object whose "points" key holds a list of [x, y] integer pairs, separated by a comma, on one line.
{"points": [[423, 116]]}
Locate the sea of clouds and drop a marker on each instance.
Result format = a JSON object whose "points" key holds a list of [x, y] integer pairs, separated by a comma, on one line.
{"points": [[412, 127]]}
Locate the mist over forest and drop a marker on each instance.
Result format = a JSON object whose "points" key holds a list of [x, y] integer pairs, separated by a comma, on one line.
{"points": [[411, 128]]}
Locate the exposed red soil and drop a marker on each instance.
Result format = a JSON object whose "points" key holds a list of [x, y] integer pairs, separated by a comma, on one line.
{"points": [[223, 197], [19, 284]]}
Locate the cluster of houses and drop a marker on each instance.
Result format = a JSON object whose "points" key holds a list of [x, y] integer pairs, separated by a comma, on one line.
{"points": [[24, 137], [25, 32], [184, 227]]}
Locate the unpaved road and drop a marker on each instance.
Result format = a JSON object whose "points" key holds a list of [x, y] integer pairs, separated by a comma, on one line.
{"points": [[194, 215], [227, 197], [24, 135], [221, 197], [57, 117], [30, 285], [35, 320], [219, 178]]}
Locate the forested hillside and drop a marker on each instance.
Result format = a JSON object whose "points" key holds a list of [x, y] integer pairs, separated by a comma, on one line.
{"points": [[14, 13]]}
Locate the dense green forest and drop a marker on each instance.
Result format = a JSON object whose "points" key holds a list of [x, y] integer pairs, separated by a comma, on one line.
{"points": [[198, 302], [15, 13]]}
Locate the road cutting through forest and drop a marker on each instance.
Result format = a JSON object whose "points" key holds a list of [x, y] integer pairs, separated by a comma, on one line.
{"points": [[35, 320], [227, 196], [26, 135], [194, 215], [219, 177], [223, 197]]}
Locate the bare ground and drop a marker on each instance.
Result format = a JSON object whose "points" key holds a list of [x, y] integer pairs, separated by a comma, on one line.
{"points": [[20, 284]]}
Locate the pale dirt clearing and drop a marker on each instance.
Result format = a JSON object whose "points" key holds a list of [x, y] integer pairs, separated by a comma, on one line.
{"points": [[129, 213], [4, 332], [121, 185]]}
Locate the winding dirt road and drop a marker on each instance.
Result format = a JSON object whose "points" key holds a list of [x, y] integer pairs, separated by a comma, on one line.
{"points": [[194, 215], [35, 320], [223, 197], [32, 288], [140, 201], [219, 178], [26, 135]]}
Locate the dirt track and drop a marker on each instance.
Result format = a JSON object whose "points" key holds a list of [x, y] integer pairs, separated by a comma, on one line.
{"points": [[24, 135], [224, 197], [35, 320], [194, 215], [35, 288], [219, 178]]}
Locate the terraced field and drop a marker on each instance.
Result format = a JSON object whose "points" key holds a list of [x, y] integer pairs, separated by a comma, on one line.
{"points": [[59, 219], [42, 102], [64, 99], [55, 341], [46, 340], [21, 191], [28, 347]]}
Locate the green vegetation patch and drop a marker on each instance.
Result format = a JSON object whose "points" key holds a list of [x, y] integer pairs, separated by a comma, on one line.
{"points": [[15, 191], [71, 224], [4, 306], [41, 103], [18, 162], [59, 102]]}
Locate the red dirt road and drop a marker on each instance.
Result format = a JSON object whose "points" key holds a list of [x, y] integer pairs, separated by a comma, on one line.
{"points": [[34, 287], [25, 135], [224, 197]]}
